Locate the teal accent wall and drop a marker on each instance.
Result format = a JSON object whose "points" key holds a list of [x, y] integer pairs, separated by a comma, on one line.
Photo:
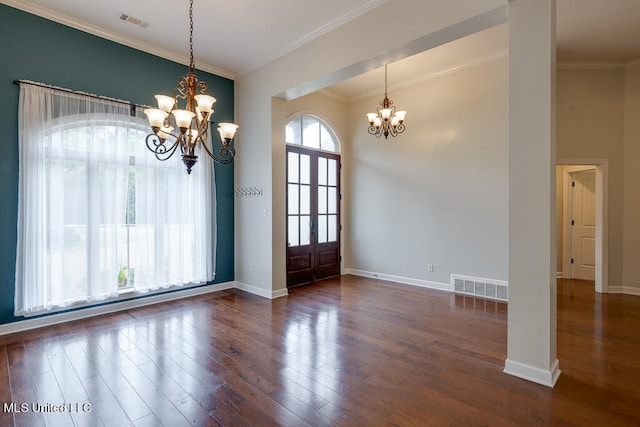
{"points": [[37, 49]]}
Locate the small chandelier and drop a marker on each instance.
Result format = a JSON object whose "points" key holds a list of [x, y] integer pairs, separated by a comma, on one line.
{"points": [[192, 123], [386, 121]]}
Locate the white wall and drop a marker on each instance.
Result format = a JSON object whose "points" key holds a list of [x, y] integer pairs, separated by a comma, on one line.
{"points": [[436, 194], [590, 125], [631, 237], [410, 25]]}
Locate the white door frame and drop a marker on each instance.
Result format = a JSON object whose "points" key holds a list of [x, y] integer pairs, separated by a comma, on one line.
{"points": [[602, 221]]}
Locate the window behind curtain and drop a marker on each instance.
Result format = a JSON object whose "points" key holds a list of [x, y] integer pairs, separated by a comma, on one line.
{"points": [[98, 214]]}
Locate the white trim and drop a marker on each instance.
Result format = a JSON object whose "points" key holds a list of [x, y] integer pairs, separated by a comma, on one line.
{"points": [[69, 21], [494, 56], [370, 5], [500, 54], [627, 290], [559, 275], [54, 319], [399, 279], [262, 292], [533, 373], [602, 217], [632, 291]]}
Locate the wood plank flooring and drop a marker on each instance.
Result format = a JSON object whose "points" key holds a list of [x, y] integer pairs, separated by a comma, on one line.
{"points": [[344, 352]]}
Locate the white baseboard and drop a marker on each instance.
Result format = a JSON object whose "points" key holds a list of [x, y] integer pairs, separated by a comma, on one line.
{"points": [[533, 373], [623, 290], [399, 279], [631, 291], [83, 313], [265, 293]]}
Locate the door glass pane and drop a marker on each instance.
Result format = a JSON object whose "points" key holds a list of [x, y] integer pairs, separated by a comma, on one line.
{"points": [[322, 171], [305, 169], [305, 230], [322, 228], [322, 200], [292, 193], [333, 228], [292, 165], [305, 200], [294, 235], [333, 200], [333, 164]]}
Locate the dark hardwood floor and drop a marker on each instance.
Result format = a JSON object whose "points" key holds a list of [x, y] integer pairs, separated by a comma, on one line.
{"points": [[345, 351]]}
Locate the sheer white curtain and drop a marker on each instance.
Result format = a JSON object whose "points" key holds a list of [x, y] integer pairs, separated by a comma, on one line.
{"points": [[175, 220], [97, 212]]}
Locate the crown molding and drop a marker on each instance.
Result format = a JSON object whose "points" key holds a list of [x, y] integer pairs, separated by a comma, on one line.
{"points": [[111, 36], [313, 35], [504, 53], [333, 95]]}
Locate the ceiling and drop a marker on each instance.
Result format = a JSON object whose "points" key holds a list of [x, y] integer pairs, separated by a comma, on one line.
{"points": [[231, 38]]}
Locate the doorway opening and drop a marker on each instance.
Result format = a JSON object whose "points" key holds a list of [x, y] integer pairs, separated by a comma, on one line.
{"points": [[582, 206]]}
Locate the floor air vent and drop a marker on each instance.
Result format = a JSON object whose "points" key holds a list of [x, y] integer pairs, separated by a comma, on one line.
{"points": [[476, 286]]}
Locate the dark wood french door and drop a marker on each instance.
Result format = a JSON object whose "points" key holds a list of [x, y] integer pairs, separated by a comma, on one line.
{"points": [[313, 215]]}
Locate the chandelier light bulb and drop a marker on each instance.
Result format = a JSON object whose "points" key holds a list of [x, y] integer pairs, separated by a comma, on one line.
{"points": [[183, 119], [156, 118], [165, 103], [227, 131], [193, 134], [205, 104], [164, 132]]}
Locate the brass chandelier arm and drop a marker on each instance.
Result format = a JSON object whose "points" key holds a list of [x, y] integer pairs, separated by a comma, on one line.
{"points": [[159, 147], [227, 153]]}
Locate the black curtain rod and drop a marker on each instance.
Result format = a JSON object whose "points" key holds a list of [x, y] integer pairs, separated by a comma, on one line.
{"points": [[75, 92]]}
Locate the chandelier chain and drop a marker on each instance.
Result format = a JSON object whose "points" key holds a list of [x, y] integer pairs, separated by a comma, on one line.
{"points": [[192, 64], [385, 80]]}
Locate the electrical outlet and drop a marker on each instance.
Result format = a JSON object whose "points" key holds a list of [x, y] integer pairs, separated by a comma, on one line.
{"points": [[430, 268]]}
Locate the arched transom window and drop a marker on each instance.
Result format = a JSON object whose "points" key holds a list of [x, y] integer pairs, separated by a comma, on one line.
{"points": [[311, 132]]}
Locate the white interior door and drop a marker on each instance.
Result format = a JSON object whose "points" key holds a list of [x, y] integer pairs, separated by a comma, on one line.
{"points": [[583, 224]]}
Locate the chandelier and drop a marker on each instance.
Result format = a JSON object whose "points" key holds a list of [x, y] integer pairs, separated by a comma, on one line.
{"points": [[386, 121], [175, 128]]}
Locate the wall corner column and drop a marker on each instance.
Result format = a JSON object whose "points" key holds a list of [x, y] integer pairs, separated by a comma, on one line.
{"points": [[531, 335]]}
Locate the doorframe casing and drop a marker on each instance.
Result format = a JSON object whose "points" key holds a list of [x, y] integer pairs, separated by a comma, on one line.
{"points": [[602, 207]]}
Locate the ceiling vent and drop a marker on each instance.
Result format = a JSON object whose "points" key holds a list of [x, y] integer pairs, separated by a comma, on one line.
{"points": [[130, 19]]}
